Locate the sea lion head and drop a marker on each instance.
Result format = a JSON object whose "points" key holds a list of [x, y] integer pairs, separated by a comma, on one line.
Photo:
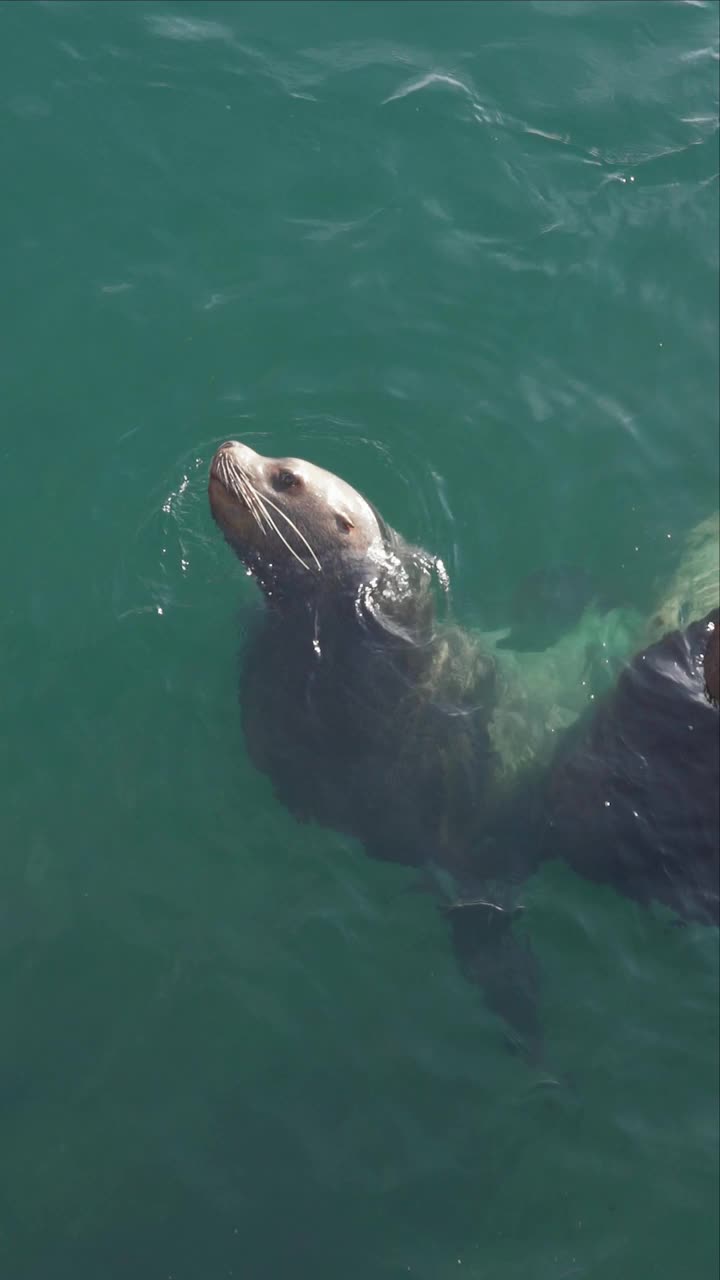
{"points": [[310, 539]]}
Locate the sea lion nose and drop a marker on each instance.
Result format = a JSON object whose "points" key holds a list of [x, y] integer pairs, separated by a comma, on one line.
{"points": [[225, 456], [236, 447], [232, 452]]}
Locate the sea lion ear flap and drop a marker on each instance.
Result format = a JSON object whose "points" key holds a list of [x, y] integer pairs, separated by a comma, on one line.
{"points": [[344, 522]]}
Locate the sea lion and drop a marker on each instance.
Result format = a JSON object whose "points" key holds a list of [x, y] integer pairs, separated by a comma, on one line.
{"points": [[373, 715], [365, 712]]}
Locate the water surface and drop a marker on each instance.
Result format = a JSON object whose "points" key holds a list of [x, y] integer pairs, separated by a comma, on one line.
{"points": [[465, 255]]}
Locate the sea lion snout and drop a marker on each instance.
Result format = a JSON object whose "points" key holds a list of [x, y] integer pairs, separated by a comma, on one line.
{"points": [[235, 446], [229, 485], [232, 452], [234, 472]]}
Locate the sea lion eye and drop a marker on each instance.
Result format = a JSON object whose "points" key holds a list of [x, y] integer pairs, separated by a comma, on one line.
{"points": [[285, 480]]}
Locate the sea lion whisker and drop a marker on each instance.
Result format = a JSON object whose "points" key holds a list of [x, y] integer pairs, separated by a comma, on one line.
{"points": [[229, 471], [232, 474], [293, 526], [232, 478], [238, 484], [252, 503], [285, 542]]}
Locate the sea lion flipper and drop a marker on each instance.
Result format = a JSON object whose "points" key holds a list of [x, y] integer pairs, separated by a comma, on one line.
{"points": [[503, 965]]}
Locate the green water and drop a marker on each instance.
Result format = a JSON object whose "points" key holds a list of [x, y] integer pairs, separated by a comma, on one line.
{"points": [[465, 255]]}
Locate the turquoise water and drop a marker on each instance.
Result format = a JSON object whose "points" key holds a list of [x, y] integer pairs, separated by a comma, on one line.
{"points": [[466, 256]]}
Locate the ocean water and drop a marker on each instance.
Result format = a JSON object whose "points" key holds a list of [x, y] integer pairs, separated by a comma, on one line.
{"points": [[465, 255]]}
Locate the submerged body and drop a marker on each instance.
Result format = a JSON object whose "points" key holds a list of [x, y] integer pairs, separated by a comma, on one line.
{"points": [[372, 717]]}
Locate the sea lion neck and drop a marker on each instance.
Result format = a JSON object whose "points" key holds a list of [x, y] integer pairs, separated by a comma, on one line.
{"points": [[385, 603]]}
